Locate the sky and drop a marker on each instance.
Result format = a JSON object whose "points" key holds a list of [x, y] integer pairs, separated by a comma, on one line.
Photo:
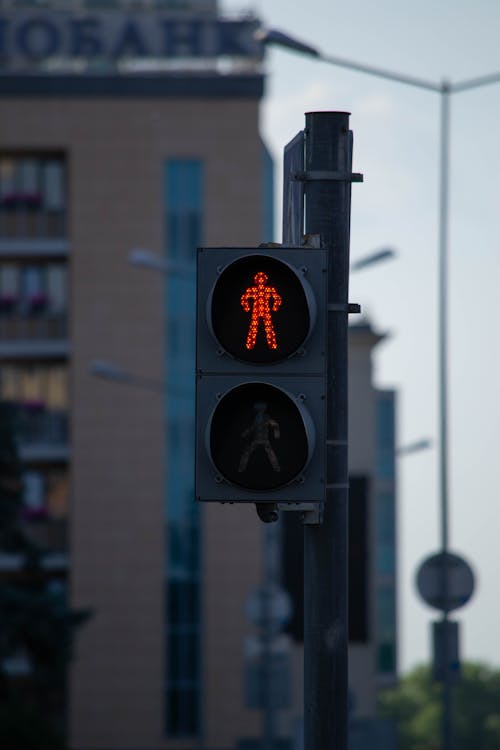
{"points": [[396, 147]]}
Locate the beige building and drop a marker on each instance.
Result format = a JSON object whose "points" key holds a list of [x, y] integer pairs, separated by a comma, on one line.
{"points": [[96, 161], [372, 549]]}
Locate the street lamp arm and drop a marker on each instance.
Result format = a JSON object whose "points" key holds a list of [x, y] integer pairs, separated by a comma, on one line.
{"points": [[415, 447], [475, 83], [109, 371], [386, 253], [372, 70], [280, 39], [148, 259]]}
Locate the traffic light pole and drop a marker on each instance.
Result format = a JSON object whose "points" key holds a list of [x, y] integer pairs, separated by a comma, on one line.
{"points": [[328, 177]]}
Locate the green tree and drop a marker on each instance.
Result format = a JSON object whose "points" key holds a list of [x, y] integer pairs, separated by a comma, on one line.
{"points": [[416, 706], [35, 619]]}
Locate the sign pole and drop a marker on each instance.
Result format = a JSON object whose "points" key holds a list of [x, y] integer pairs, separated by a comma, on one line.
{"points": [[328, 177]]}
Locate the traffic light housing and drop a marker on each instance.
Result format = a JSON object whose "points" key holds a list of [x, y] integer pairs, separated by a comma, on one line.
{"points": [[261, 375]]}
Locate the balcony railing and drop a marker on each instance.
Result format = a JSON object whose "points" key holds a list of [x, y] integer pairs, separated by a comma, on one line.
{"points": [[48, 533], [33, 327], [35, 424], [18, 221]]}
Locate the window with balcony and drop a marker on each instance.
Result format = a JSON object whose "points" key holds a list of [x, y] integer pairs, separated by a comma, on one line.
{"points": [[40, 393], [33, 301], [45, 507], [32, 196]]}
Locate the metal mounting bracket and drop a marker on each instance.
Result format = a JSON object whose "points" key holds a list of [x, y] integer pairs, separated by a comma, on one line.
{"points": [[312, 513], [350, 307], [312, 176]]}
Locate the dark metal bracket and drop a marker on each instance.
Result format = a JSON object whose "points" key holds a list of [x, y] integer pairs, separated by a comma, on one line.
{"points": [[350, 307], [312, 176], [311, 513]]}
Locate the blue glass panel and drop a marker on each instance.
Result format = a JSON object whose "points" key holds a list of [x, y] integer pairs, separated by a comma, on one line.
{"points": [[385, 422], [386, 613], [385, 436], [386, 629], [385, 534], [267, 195], [183, 233]]}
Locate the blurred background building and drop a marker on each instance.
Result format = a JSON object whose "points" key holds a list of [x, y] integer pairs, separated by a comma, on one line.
{"points": [[136, 125]]}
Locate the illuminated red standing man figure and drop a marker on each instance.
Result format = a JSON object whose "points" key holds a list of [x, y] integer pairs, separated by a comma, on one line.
{"points": [[266, 300]]}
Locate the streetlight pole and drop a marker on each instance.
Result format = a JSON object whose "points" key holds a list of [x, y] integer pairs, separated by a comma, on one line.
{"points": [[447, 717], [445, 89]]}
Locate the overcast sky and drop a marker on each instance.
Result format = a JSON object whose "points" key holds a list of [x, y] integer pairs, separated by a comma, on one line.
{"points": [[396, 146]]}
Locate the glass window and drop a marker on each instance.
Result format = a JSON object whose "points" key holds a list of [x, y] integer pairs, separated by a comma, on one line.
{"points": [[385, 428], [385, 544], [183, 192], [267, 195], [57, 388], [182, 655], [386, 658], [46, 385], [183, 708], [57, 493], [8, 383], [53, 185], [57, 287], [385, 517], [9, 285], [33, 491], [385, 421], [33, 290], [182, 601], [29, 183], [47, 492], [386, 626], [33, 286], [385, 559], [183, 230], [7, 179], [32, 196], [386, 629]]}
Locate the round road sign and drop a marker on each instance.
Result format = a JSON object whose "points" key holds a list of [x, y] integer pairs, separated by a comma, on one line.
{"points": [[445, 581]]}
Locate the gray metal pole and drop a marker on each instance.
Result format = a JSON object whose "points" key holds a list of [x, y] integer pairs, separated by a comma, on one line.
{"points": [[329, 149], [443, 307], [443, 398], [271, 577]]}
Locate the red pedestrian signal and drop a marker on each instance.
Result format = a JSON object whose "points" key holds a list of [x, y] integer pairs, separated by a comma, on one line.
{"points": [[261, 309], [260, 301]]}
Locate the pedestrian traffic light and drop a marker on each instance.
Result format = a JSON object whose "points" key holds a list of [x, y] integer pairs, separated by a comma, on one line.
{"points": [[261, 374]]}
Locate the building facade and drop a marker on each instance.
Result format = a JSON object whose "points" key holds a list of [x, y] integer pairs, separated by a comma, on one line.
{"points": [[372, 595], [127, 127]]}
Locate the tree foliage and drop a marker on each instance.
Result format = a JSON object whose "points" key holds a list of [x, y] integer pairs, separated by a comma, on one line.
{"points": [[416, 706], [35, 619]]}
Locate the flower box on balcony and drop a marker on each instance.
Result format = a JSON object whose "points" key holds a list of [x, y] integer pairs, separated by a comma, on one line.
{"points": [[35, 514], [34, 405], [7, 302], [17, 201], [38, 302]]}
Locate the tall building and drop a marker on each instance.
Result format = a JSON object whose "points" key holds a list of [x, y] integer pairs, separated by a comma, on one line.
{"points": [[372, 548], [372, 459], [132, 125]]}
